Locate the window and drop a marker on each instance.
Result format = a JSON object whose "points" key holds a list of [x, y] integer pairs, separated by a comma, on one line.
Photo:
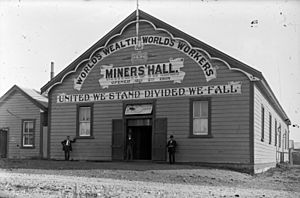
{"points": [[270, 128], [84, 127], [262, 123], [285, 138], [279, 135], [276, 133], [200, 123], [28, 127]]}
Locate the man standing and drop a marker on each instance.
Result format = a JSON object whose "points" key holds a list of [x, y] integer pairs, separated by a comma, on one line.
{"points": [[67, 146], [129, 145], [171, 145]]}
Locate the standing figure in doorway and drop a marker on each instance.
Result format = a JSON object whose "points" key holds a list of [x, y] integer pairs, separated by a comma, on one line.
{"points": [[129, 146], [171, 145], [67, 146]]}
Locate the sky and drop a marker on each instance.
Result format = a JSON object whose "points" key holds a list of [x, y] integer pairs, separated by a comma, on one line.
{"points": [[34, 33]]}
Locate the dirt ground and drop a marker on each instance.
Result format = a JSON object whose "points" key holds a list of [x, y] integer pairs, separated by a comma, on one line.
{"points": [[43, 178]]}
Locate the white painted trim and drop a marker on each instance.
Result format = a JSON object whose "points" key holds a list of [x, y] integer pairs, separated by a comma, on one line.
{"points": [[250, 76]]}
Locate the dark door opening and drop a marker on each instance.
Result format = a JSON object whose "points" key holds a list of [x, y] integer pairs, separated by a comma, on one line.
{"points": [[141, 132], [3, 142]]}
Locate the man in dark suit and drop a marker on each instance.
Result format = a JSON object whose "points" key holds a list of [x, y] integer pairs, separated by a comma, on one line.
{"points": [[129, 146], [171, 145], [67, 146]]}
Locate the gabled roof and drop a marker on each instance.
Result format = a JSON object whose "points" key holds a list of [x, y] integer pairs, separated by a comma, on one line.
{"points": [[159, 24], [232, 63], [34, 96]]}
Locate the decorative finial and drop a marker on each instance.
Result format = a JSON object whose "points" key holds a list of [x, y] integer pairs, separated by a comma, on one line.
{"points": [[139, 45]]}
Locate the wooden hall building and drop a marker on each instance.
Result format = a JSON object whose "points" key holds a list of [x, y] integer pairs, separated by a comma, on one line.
{"points": [[153, 80]]}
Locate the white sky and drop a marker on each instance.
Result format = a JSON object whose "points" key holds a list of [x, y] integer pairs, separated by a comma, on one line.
{"points": [[34, 33]]}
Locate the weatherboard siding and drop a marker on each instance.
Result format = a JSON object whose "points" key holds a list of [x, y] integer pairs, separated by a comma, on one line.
{"points": [[229, 113], [63, 123], [13, 110], [264, 152], [229, 128]]}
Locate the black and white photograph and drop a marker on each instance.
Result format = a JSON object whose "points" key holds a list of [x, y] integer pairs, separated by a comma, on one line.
{"points": [[149, 98]]}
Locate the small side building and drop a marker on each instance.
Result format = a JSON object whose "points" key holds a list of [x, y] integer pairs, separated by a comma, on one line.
{"points": [[295, 153], [23, 124]]}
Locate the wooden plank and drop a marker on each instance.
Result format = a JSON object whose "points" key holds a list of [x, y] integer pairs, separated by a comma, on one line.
{"points": [[264, 152], [159, 139]]}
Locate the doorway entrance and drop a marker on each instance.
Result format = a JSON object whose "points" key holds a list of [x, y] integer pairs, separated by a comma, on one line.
{"points": [[148, 133], [141, 133], [3, 142]]}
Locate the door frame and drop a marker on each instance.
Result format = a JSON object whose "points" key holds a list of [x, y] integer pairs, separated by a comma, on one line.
{"points": [[132, 117], [6, 129]]}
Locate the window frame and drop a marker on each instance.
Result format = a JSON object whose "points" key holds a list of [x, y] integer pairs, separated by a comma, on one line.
{"points": [[284, 139], [276, 133], [270, 128], [33, 134], [91, 106], [262, 123], [279, 135], [208, 135]]}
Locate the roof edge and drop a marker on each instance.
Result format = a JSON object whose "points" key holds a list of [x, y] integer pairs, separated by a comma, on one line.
{"points": [[234, 63], [82, 56], [17, 88], [268, 90], [213, 52]]}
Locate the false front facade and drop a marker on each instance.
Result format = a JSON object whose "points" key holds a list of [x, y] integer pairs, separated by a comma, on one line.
{"points": [[151, 80]]}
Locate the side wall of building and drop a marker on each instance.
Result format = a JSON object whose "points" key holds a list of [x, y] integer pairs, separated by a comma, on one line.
{"points": [[267, 150], [15, 109]]}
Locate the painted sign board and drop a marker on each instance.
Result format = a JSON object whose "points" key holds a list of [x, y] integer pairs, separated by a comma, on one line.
{"points": [[168, 71], [138, 109], [177, 44], [230, 88]]}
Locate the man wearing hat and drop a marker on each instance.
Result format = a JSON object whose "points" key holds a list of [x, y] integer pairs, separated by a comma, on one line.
{"points": [[129, 146], [171, 145], [67, 146]]}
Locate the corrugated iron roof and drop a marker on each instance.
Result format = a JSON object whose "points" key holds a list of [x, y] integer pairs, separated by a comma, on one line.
{"points": [[38, 99]]}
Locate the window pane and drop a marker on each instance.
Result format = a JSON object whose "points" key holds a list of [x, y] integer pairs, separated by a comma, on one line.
{"points": [[196, 109], [84, 114], [204, 109], [200, 127], [25, 127], [84, 129], [30, 126], [28, 140], [25, 140]]}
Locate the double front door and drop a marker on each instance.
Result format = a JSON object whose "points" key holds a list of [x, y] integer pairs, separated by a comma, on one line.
{"points": [[149, 138]]}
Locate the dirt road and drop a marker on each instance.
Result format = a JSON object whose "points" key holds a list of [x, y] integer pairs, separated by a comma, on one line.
{"points": [[87, 179]]}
